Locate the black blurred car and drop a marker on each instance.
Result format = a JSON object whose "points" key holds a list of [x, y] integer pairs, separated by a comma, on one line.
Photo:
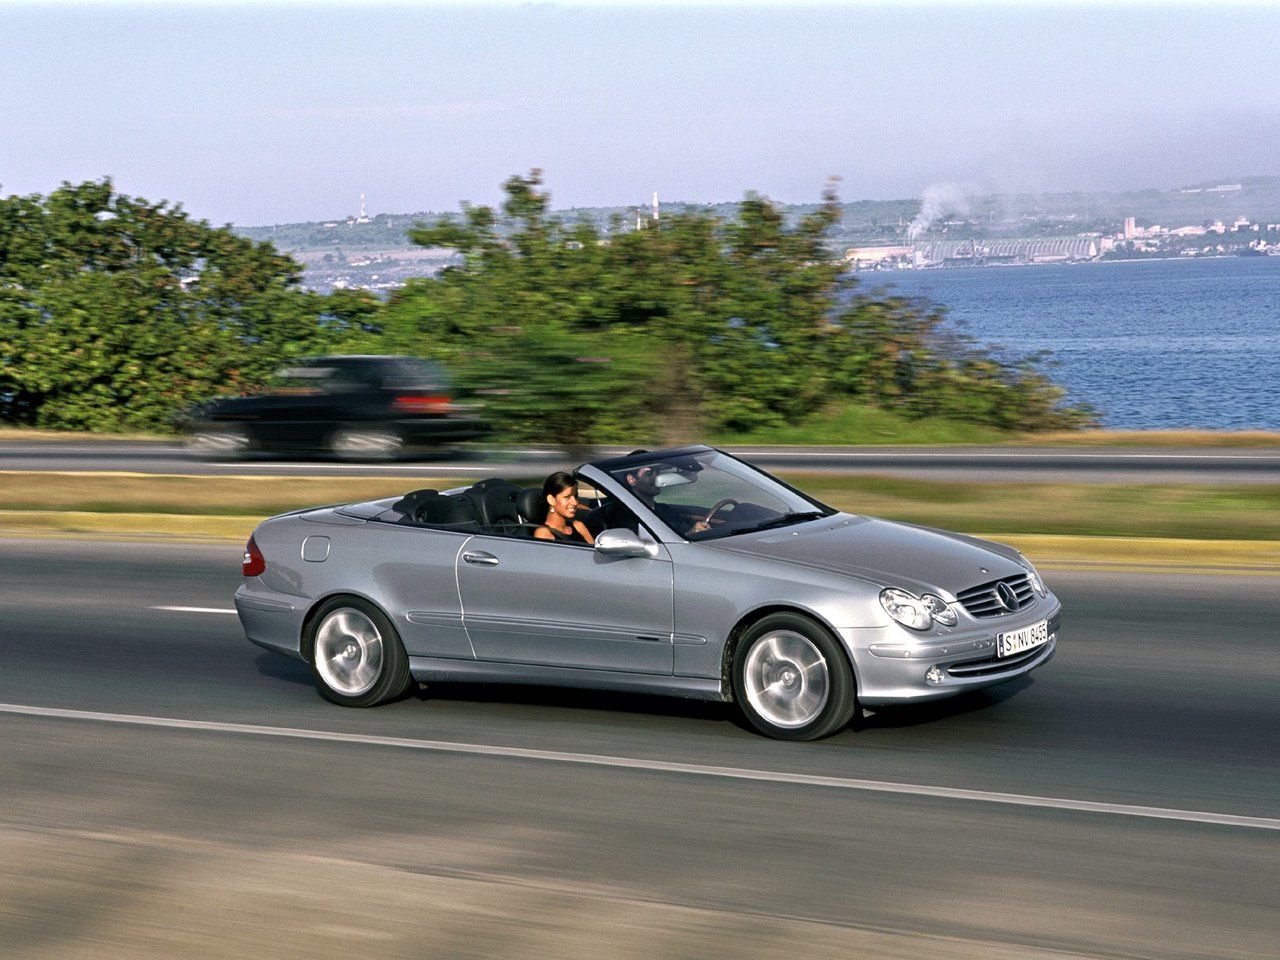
{"points": [[355, 407]]}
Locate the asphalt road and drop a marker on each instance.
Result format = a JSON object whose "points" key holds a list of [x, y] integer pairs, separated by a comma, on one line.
{"points": [[1224, 465], [202, 839]]}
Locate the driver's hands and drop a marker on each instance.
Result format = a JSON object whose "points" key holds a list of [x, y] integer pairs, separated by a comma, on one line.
{"points": [[700, 527]]}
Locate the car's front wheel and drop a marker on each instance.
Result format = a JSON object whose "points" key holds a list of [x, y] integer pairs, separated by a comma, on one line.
{"points": [[792, 679], [357, 659], [366, 443]]}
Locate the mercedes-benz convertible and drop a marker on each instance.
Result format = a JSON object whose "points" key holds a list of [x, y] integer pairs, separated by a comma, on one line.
{"points": [[707, 578]]}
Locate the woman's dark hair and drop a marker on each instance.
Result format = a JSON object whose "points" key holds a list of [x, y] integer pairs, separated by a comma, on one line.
{"points": [[558, 481]]}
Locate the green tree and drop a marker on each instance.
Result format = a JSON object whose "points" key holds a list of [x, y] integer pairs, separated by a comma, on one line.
{"points": [[691, 321], [119, 313]]}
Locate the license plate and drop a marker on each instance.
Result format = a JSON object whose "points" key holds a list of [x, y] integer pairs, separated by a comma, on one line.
{"points": [[1016, 641]]}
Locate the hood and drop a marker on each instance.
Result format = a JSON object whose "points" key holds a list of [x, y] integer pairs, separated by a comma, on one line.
{"points": [[884, 552]]}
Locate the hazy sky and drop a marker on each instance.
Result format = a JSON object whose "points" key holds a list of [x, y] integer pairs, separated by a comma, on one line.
{"points": [[258, 114]]}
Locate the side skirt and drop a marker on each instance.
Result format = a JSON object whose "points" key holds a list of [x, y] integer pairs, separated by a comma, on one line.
{"points": [[442, 670], [288, 650]]}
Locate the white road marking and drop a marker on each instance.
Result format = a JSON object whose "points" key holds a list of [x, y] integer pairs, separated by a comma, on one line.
{"points": [[659, 766], [197, 609]]}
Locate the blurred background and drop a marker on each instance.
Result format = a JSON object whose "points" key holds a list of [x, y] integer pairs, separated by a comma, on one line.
{"points": [[1009, 269]]}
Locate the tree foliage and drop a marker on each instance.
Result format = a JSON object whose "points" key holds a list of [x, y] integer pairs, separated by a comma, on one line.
{"points": [[119, 313], [688, 323]]}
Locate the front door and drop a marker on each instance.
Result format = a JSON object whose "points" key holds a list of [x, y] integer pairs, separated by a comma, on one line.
{"points": [[555, 604]]}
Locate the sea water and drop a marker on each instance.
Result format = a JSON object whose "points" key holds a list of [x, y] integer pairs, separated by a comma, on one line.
{"points": [[1150, 343]]}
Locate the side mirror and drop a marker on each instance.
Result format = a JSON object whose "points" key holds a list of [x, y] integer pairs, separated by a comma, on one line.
{"points": [[624, 543]]}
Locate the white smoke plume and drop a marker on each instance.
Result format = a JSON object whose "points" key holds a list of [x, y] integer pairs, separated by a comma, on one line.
{"points": [[938, 200]]}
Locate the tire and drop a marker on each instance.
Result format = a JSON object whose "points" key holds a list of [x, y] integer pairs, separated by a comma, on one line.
{"points": [[792, 679], [357, 659], [229, 442], [366, 443]]}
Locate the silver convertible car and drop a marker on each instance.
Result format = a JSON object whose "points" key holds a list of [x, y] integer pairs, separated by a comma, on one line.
{"points": [[708, 579]]}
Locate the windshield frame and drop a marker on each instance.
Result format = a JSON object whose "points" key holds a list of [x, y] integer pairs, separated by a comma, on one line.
{"points": [[601, 473]]}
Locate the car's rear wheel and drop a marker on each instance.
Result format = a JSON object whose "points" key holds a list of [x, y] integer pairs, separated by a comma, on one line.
{"points": [[366, 443], [792, 679], [357, 659]]}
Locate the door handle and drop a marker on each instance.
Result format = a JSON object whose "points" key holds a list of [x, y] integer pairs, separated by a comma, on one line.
{"points": [[480, 558]]}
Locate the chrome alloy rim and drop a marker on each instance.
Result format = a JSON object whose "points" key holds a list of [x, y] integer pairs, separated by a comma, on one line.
{"points": [[218, 442], [786, 678], [365, 443], [348, 651]]}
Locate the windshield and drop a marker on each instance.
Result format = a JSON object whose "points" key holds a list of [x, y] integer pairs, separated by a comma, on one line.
{"points": [[707, 495]]}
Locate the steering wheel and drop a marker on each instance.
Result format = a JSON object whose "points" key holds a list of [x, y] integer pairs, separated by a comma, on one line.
{"points": [[727, 501]]}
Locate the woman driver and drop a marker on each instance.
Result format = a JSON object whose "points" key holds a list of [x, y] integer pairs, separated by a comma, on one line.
{"points": [[561, 493]]}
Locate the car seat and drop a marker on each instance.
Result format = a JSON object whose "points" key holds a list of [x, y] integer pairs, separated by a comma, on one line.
{"points": [[433, 508], [495, 500], [532, 506], [608, 516]]}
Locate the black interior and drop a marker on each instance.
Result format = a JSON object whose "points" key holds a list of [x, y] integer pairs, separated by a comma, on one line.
{"points": [[499, 507], [531, 505], [495, 506], [432, 508]]}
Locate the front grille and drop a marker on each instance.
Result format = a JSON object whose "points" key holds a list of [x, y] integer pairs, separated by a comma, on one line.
{"points": [[984, 600], [978, 668], [992, 664]]}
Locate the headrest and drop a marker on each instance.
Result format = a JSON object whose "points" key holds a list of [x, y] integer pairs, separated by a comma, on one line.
{"points": [[496, 500], [431, 506], [409, 504], [532, 505]]}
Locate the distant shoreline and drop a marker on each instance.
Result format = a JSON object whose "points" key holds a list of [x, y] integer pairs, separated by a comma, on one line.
{"points": [[1058, 263]]}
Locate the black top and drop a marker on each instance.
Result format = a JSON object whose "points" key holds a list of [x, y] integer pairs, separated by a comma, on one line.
{"points": [[573, 536], [647, 457]]}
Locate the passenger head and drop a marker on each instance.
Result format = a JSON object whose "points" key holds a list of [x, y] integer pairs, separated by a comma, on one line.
{"points": [[561, 493]]}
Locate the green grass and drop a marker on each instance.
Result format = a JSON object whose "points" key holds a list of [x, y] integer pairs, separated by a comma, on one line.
{"points": [[845, 422], [1115, 510]]}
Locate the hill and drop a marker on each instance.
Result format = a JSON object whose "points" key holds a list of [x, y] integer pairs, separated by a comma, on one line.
{"points": [[1051, 214]]}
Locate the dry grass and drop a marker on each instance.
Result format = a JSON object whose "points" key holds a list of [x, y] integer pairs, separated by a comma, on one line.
{"points": [[126, 526], [182, 494], [76, 436]]}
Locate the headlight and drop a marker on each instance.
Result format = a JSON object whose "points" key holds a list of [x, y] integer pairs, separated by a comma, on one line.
{"points": [[918, 613], [939, 609], [1036, 583]]}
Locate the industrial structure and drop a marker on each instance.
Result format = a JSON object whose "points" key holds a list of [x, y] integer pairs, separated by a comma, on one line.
{"points": [[938, 253]]}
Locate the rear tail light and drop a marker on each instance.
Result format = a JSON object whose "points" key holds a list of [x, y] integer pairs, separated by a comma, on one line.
{"points": [[255, 564], [422, 403]]}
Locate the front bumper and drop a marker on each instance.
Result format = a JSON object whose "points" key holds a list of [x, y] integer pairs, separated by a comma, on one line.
{"points": [[892, 666]]}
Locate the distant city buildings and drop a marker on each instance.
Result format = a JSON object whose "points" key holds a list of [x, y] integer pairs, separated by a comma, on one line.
{"points": [[1242, 237], [1220, 188]]}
